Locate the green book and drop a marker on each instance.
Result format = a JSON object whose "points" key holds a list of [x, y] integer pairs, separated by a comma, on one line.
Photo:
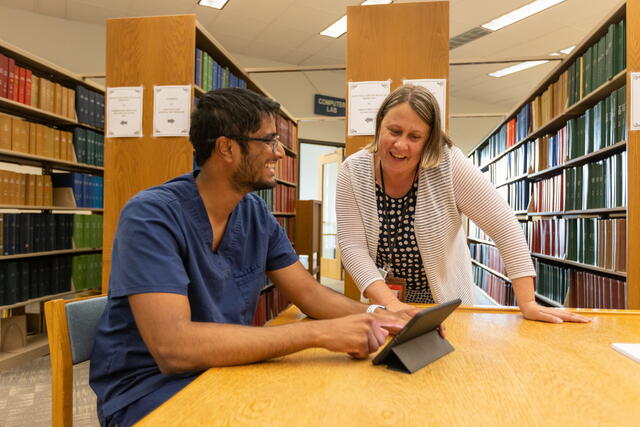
{"points": [[586, 72], [609, 52]]}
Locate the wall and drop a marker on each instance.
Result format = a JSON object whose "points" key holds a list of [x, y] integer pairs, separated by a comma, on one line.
{"points": [[73, 45]]}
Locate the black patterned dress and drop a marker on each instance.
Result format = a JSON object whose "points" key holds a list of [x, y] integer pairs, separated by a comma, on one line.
{"points": [[406, 262]]}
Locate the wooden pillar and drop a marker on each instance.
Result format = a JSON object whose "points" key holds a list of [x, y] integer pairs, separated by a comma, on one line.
{"points": [[633, 159], [144, 51], [395, 41]]}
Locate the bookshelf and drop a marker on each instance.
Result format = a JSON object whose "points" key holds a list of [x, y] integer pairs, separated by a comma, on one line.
{"points": [[308, 235], [569, 147], [44, 109], [177, 50]]}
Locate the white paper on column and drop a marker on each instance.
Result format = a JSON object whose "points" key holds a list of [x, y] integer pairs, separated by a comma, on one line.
{"points": [[364, 100], [635, 101], [124, 112], [171, 110], [438, 87]]}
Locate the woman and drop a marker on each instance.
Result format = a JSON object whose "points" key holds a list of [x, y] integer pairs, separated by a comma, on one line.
{"points": [[398, 207]]}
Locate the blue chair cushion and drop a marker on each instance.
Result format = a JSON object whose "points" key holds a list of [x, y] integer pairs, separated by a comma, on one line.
{"points": [[82, 321]]}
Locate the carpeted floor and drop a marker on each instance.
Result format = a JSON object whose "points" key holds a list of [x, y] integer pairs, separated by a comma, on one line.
{"points": [[25, 395]]}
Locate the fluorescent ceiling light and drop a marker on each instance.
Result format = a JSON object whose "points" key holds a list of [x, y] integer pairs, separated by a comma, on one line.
{"points": [[515, 68], [336, 29], [216, 4], [339, 27], [568, 50], [554, 54], [519, 14]]}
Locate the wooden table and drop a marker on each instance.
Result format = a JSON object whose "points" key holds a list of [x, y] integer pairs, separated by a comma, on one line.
{"points": [[504, 371]]}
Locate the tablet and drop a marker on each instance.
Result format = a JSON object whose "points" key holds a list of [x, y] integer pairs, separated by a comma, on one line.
{"points": [[422, 323]]}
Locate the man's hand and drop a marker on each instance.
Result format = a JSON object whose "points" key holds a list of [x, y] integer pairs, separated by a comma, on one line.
{"points": [[358, 334], [531, 310]]}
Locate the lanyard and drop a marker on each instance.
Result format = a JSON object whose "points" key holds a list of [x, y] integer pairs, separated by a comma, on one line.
{"points": [[387, 219]]}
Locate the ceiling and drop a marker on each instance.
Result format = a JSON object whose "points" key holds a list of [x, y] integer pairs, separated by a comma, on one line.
{"points": [[287, 31]]}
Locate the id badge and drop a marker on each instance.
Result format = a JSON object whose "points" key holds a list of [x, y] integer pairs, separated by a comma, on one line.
{"points": [[397, 286]]}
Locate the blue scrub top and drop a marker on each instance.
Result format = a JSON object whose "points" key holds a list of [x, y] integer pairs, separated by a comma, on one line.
{"points": [[163, 244]]}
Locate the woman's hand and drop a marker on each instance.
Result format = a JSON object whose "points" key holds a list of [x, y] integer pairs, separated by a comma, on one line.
{"points": [[398, 305], [531, 310]]}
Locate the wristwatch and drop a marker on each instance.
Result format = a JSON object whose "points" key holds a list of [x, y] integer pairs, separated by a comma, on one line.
{"points": [[373, 307]]}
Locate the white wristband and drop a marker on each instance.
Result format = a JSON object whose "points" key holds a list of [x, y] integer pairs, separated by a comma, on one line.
{"points": [[373, 307]]}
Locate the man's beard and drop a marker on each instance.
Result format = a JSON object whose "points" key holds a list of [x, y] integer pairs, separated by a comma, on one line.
{"points": [[246, 178]]}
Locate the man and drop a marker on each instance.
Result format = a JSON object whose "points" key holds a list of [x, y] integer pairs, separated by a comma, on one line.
{"points": [[189, 260]]}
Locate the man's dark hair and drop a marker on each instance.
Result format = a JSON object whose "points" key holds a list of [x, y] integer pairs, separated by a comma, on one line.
{"points": [[226, 112]]}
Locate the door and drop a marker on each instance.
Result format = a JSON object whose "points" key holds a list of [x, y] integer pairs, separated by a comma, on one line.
{"points": [[330, 263]]}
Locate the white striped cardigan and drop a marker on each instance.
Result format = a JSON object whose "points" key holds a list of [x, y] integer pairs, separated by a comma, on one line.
{"points": [[456, 186]]}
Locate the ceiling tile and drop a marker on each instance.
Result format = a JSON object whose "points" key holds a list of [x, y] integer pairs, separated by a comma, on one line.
{"points": [[82, 12]]}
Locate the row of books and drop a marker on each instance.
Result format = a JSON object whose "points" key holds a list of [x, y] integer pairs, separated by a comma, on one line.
{"points": [[601, 61], [89, 146], [487, 256], [580, 289], [600, 126], [21, 85], [27, 137], [270, 303], [515, 164], [35, 277], [282, 198], [22, 233], [288, 223], [210, 75], [90, 106], [593, 241], [86, 271], [287, 169], [78, 190], [25, 189], [501, 291], [516, 194], [550, 103], [601, 184], [287, 131]]}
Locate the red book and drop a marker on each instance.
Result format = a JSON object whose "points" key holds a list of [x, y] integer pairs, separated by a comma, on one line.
{"points": [[4, 75], [27, 86], [11, 81], [21, 83]]}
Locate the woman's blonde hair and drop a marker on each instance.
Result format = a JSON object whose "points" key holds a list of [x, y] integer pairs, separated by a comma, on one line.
{"points": [[426, 107]]}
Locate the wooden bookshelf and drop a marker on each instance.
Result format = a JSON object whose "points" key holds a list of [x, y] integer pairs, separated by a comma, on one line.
{"points": [[581, 266], [630, 11], [50, 208], [51, 253], [579, 161], [547, 301], [490, 270], [309, 233], [376, 55], [27, 159], [59, 116], [484, 242]]}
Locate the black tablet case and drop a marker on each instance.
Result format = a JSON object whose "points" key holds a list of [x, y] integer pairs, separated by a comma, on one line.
{"points": [[419, 342]]}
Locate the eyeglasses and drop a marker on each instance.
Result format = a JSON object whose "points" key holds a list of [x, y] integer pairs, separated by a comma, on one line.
{"points": [[274, 141]]}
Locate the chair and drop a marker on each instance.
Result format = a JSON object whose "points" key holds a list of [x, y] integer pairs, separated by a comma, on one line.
{"points": [[71, 327]]}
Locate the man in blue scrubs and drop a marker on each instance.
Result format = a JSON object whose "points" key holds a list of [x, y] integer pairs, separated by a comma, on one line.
{"points": [[189, 260]]}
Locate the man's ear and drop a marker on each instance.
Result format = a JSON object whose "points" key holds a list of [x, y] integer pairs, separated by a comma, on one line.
{"points": [[224, 147]]}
